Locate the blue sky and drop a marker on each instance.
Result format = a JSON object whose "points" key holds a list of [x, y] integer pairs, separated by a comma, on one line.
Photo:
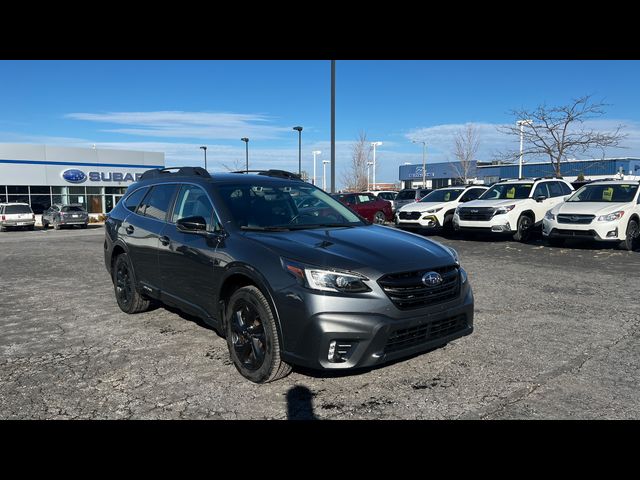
{"points": [[176, 106]]}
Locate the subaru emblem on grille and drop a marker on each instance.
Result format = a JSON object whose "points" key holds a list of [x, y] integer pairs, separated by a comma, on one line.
{"points": [[473, 211], [574, 218], [431, 279]]}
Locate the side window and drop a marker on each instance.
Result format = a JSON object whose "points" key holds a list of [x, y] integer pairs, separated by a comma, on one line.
{"points": [[133, 200], [192, 201], [366, 198], [565, 188], [541, 189], [555, 189], [472, 194], [157, 202]]}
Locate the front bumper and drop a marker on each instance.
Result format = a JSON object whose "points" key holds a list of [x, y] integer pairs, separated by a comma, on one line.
{"points": [[374, 338], [597, 231], [424, 222], [17, 223], [497, 224], [73, 221]]}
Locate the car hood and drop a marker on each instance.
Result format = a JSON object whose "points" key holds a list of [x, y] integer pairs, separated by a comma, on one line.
{"points": [[423, 207], [493, 203], [589, 208], [370, 249]]}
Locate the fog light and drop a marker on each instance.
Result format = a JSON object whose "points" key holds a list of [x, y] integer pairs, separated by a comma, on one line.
{"points": [[612, 233], [340, 350], [332, 351]]}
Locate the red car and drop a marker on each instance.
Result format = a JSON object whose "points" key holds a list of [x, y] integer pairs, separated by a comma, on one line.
{"points": [[368, 206]]}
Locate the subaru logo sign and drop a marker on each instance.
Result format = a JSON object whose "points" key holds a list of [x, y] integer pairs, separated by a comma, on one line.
{"points": [[431, 279], [74, 176]]}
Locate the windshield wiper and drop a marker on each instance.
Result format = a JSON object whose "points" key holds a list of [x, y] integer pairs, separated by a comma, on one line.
{"points": [[265, 229]]}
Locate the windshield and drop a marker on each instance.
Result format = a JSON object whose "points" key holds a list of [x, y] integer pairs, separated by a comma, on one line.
{"points": [[605, 193], [507, 191], [442, 195], [387, 195], [72, 208], [284, 207], [15, 209], [406, 195]]}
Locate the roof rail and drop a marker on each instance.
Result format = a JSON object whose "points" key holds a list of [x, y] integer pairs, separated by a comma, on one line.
{"points": [[273, 173], [175, 171]]}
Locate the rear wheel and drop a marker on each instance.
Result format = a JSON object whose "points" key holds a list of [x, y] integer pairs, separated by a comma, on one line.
{"points": [[525, 224], [124, 283], [252, 337], [379, 218], [632, 240], [56, 225], [84, 225], [45, 225]]}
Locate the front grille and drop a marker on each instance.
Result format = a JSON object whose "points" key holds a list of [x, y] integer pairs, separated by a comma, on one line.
{"points": [[412, 336], [409, 215], [476, 213], [407, 291], [576, 219], [574, 233]]}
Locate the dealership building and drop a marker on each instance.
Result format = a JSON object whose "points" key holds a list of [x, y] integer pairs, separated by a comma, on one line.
{"points": [[96, 178]]}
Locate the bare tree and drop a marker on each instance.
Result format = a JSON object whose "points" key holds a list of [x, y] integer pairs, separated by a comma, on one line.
{"points": [[559, 132], [236, 167], [354, 178], [467, 142]]}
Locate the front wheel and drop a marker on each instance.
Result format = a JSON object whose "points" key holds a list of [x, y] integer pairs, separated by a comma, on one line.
{"points": [[525, 224], [252, 337], [124, 282], [632, 237], [379, 218]]}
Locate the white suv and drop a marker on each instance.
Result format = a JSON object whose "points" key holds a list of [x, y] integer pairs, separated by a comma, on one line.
{"points": [[18, 215], [602, 210], [512, 206], [436, 209]]}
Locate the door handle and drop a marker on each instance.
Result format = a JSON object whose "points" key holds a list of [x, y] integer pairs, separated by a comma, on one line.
{"points": [[164, 240], [129, 229]]}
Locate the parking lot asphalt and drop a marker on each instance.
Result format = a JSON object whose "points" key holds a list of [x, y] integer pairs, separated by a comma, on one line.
{"points": [[556, 337]]}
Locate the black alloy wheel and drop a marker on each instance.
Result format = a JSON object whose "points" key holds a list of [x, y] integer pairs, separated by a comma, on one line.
{"points": [[248, 337], [525, 223]]}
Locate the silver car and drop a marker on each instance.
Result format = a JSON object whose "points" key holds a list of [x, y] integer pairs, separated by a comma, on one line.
{"points": [[410, 195], [60, 215], [16, 215]]}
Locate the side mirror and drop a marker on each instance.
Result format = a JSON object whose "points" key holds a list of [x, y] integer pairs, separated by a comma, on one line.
{"points": [[541, 198], [195, 224]]}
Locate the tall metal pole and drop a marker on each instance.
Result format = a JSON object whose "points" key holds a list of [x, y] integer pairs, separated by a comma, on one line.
{"points": [[521, 148], [424, 164], [299, 129], [324, 174], [315, 152], [246, 141], [205, 156], [374, 165], [333, 126]]}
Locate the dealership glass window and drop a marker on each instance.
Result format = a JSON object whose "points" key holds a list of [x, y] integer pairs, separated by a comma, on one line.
{"points": [[76, 191], [40, 203], [81, 199], [3, 197], [17, 189], [94, 190], [115, 190], [59, 199], [57, 190], [40, 190], [18, 199], [94, 203]]}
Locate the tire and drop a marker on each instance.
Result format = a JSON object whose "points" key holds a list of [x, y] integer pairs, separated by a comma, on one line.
{"points": [[84, 225], [379, 218], [124, 285], [56, 225], [447, 225], [554, 242], [632, 241], [252, 337], [31, 227], [525, 225], [45, 225]]}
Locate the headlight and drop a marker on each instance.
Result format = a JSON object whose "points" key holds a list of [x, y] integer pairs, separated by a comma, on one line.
{"points": [[434, 210], [611, 217], [549, 215], [463, 275], [456, 258], [326, 280], [457, 212], [503, 210]]}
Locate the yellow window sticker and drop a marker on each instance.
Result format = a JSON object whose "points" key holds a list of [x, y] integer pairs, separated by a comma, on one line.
{"points": [[607, 194], [447, 196], [511, 193]]}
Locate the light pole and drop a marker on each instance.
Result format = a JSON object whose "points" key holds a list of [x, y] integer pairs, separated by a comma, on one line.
{"points": [[246, 141], [368, 167], [374, 144], [315, 152], [424, 162], [299, 129], [522, 123], [324, 172], [205, 156]]}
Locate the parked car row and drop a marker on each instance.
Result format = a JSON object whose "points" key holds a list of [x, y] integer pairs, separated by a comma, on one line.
{"points": [[602, 210], [21, 216]]}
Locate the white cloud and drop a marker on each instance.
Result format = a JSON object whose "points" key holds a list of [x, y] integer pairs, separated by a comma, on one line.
{"points": [[178, 124]]}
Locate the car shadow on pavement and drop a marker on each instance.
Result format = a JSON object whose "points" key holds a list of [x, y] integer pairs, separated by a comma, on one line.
{"points": [[300, 404], [186, 316]]}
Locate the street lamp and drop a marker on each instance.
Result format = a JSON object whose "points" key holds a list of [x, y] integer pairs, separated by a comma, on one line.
{"points": [[522, 123], [424, 162], [246, 141], [205, 156], [368, 167], [315, 152], [324, 171], [299, 129], [374, 144]]}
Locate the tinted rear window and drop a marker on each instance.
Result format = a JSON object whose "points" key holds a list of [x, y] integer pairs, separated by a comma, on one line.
{"points": [[133, 200], [406, 195], [14, 209], [72, 208], [157, 202]]}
